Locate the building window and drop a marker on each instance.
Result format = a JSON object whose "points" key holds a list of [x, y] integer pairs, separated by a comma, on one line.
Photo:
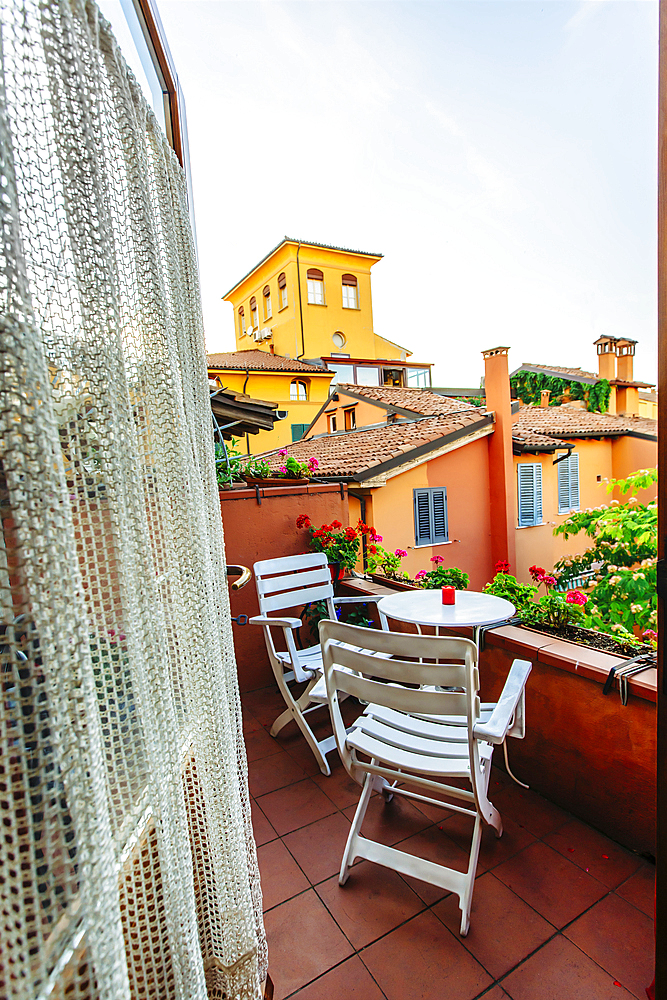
{"points": [[392, 377], [350, 298], [350, 419], [241, 321], [344, 373], [331, 423], [315, 287], [367, 376], [568, 484], [253, 313], [267, 302], [338, 339], [282, 289], [298, 430], [529, 489], [430, 516], [298, 390], [418, 378]]}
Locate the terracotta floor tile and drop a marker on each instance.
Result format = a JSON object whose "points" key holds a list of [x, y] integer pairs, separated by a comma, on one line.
{"points": [[436, 814], [551, 884], [339, 786], [640, 889], [528, 809], [304, 756], [261, 828], [319, 847], [503, 929], [265, 704], [494, 850], [619, 938], [421, 960], [373, 901], [497, 993], [250, 723], [560, 971], [297, 805], [594, 852], [349, 981], [280, 875], [304, 942], [273, 772], [259, 744], [390, 822]]}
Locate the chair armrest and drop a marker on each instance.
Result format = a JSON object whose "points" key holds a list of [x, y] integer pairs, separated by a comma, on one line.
{"points": [[281, 622], [371, 599], [510, 703]]}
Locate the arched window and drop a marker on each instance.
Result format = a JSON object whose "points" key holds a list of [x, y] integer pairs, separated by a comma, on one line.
{"points": [[315, 286], [253, 313], [350, 297], [298, 390], [241, 321], [267, 302], [282, 285]]}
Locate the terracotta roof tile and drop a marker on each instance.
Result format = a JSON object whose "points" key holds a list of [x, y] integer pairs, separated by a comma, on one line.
{"points": [[418, 400], [257, 360], [354, 452], [572, 422]]}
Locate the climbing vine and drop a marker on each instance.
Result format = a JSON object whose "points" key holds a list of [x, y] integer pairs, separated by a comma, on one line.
{"points": [[530, 385]]}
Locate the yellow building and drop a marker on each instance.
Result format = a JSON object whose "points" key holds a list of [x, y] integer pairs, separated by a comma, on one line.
{"points": [[312, 302], [299, 389]]}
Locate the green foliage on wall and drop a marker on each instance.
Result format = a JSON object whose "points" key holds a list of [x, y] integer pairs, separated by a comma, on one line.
{"points": [[529, 386]]}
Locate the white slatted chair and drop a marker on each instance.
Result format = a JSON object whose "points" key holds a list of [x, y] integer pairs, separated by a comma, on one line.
{"points": [[405, 736], [290, 583]]}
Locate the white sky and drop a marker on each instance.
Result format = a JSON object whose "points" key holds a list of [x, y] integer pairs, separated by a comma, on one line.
{"points": [[501, 155]]}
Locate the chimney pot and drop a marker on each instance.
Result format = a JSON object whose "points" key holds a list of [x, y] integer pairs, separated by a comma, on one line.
{"points": [[545, 396]]}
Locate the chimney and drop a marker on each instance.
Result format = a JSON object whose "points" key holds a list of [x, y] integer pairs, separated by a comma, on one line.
{"points": [[606, 347], [545, 396], [625, 353], [501, 466]]}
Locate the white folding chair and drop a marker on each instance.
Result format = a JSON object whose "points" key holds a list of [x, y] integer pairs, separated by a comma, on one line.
{"points": [[405, 736], [290, 583]]}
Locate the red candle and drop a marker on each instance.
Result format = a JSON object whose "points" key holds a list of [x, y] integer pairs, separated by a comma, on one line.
{"points": [[448, 595]]}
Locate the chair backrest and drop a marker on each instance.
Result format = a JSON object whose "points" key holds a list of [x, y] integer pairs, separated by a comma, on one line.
{"points": [[292, 581], [394, 682]]}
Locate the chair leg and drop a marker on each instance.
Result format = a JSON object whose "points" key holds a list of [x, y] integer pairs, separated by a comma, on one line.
{"points": [[465, 901], [349, 854], [294, 711]]}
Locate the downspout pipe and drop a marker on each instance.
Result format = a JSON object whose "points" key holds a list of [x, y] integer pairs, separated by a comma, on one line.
{"points": [[567, 454], [362, 515], [298, 281]]}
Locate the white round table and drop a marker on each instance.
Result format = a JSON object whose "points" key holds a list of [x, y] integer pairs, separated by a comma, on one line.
{"points": [[425, 607]]}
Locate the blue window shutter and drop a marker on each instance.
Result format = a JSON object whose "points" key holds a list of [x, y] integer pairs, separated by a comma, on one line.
{"points": [[529, 490], [568, 484], [430, 510]]}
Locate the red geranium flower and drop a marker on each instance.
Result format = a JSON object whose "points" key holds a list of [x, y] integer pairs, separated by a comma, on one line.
{"points": [[502, 566]]}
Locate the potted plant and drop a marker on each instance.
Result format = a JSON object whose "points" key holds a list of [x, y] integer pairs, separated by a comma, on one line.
{"points": [[290, 473], [228, 466], [442, 576], [339, 544]]}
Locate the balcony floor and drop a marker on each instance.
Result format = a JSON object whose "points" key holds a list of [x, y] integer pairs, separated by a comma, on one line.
{"points": [[559, 910]]}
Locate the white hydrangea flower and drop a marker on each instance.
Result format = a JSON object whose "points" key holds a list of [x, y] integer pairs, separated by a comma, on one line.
{"points": [[613, 580], [636, 609]]}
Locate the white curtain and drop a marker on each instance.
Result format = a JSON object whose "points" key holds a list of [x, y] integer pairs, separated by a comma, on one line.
{"points": [[126, 852]]}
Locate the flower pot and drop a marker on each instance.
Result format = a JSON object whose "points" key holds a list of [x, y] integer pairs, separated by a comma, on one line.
{"points": [[276, 481], [337, 572], [389, 581]]}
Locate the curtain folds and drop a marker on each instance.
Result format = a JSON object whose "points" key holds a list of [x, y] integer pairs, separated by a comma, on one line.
{"points": [[128, 863]]}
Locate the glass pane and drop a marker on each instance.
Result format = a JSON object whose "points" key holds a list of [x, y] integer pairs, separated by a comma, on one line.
{"points": [[368, 376], [125, 24], [344, 373], [417, 378]]}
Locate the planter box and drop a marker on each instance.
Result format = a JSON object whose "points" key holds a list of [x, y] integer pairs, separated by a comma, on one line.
{"points": [[386, 581], [275, 481]]}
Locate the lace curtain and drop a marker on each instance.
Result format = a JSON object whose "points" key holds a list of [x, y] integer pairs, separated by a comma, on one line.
{"points": [[128, 867]]}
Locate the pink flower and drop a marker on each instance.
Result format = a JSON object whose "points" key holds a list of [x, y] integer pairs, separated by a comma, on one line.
{"points": [[283, 469], [548, 581], [401, 553], [375, 537], [437, 560], [312, 464], [650, 635], [283, 452], [576, 597], [420, 575]]}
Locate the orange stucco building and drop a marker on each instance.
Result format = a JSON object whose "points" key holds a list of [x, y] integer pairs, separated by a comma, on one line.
{"points": [[474, 485]]}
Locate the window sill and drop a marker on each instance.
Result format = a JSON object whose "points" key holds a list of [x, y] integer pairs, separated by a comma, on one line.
{"points": [[353, 308], [282, 308], [538, 524], [316, 304], [433, 545]]}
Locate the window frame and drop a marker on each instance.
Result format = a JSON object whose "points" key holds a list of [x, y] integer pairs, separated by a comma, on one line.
{"points": [[315, 277], [350, 417], [298, 382], [431, 502], [523, 489], [349, 281], [568, 487], [266, 295]]}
